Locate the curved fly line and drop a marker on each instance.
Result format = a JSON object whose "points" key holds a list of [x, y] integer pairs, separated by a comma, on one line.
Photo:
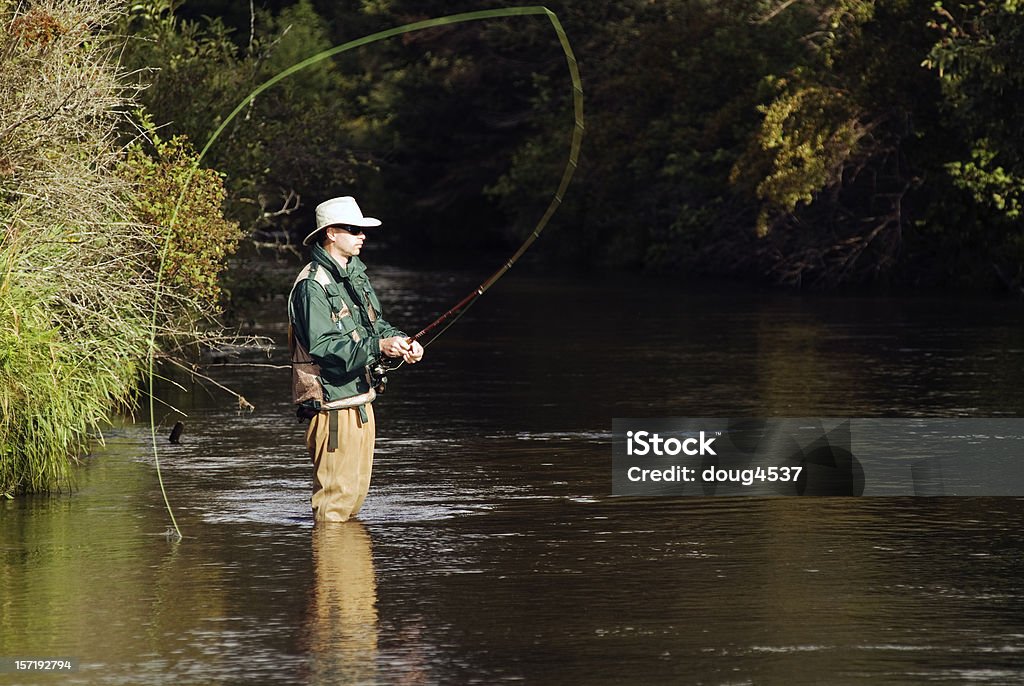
{"points": [[453, 314]]}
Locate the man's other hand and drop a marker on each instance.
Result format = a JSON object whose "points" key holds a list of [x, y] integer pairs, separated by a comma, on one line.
{"points": [[415, 353]]}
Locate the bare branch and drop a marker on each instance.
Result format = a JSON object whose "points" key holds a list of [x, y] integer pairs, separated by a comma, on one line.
{"points": [[775, 12], [243, 404]]}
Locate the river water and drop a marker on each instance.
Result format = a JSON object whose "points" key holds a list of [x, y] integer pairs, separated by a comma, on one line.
{"points": [[490, 549]]}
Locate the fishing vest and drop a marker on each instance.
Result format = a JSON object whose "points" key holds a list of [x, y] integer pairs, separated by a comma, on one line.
{"points": [[306, 385]]}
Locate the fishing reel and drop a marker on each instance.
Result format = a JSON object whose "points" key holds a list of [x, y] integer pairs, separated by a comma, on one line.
{"points": [[378, 372]]}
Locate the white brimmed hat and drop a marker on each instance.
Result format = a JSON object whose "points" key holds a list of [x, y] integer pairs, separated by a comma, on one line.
{"points": [[344, 211]]}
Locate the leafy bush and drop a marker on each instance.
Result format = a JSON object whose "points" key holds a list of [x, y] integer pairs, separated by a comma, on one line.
{"points": [[201, 238]]}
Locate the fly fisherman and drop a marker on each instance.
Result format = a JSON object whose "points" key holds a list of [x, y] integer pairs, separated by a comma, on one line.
{"points": [[336, 336]]}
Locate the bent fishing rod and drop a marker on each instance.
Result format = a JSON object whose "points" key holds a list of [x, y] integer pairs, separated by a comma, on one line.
{"points": [[456, 312]]}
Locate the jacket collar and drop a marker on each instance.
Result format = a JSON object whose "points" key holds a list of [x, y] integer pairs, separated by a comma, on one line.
{"points": [[321, 257]]}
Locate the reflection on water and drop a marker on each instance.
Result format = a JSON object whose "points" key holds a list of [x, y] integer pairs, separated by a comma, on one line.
{"points": [[490, 551], [342, 642]]}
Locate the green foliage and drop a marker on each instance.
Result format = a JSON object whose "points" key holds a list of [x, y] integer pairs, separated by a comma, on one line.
{"points": [[77, 277], [839, 163], [988, 181], [814, 120], [670, 91], [201, 239], [978, 56], [292, 143], [821, 142], [70, 319], [808, 137], [444, 111], [57, 384]]}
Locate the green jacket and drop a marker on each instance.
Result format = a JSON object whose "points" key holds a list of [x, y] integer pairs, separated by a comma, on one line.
{"points": [[343, 346]]}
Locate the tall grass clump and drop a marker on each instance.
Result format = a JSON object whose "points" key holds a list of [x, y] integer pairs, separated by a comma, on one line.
{"points": [[78, 261]]}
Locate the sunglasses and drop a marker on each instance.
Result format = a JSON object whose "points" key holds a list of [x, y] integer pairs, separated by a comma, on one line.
{"points": [[354, 230]]}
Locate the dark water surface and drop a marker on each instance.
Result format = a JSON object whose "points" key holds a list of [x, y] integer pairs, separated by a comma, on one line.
{"points": [[490, 550]]}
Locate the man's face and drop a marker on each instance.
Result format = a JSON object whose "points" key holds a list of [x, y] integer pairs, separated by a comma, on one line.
{"points": [[345, 243]]}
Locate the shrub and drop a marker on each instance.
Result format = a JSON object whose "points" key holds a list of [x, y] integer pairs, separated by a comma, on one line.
{"points": [[201, 238]]}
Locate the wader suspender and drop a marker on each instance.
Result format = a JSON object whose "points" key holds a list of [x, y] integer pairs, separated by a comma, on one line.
{"points": [[371, 314], [332, 433]]}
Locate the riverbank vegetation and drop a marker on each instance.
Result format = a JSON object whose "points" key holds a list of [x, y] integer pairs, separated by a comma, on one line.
{"points": [[85, 207]]}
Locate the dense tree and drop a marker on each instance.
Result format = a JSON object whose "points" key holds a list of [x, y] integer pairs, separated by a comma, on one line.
{"points": [[450, 106], [671, 94], [815, 142], [978, 58], [844, 146], [864, 161]]}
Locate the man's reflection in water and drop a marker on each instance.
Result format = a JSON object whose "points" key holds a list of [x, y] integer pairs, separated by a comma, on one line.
{"points": [[343, 617]]}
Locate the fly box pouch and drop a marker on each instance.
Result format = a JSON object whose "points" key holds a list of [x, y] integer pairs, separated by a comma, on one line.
{"points": [[305, 373]]}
